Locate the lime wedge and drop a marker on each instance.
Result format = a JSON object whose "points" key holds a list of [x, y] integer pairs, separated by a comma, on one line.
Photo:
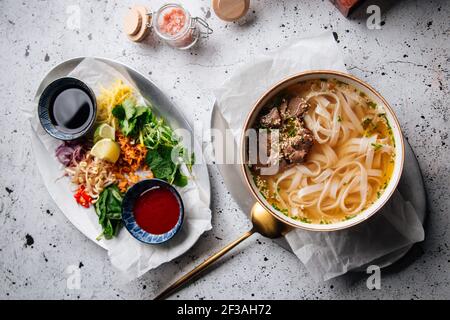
{"points": [[106, 149], [104, 131]]}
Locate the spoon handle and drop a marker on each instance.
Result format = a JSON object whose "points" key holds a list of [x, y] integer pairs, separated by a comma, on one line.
{"points": [[205, 264]]}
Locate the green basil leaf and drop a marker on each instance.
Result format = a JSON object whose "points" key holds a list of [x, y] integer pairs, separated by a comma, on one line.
{"points": [[115, 215], [109, 210], [114, 189], [116, 226], [108, 231]]}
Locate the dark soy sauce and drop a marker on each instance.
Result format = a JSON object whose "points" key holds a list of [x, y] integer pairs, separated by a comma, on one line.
{"points": [[71, 110]]}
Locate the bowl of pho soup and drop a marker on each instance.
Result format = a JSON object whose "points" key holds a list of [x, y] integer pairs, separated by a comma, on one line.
{"points": [[322, 151]]}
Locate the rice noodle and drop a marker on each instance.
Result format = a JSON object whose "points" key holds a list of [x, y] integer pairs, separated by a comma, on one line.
{"points": [[93, 173]]}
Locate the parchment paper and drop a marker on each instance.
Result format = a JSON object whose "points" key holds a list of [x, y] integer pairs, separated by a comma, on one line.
{"points": [[325, 255], [126, 253]]}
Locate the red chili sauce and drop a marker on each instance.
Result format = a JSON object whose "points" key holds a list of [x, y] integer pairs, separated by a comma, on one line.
{"points": [[157, 211]]}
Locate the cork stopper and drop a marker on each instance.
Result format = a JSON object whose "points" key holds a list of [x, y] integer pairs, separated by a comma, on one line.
{"points": [[135, 23], [230, 10]]}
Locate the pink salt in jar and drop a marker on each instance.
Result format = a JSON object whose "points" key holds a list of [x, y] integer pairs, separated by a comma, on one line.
{"points": [[176, 27]]}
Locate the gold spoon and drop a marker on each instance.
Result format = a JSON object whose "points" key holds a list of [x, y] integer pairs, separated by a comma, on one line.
{"points": [[264, 223]]}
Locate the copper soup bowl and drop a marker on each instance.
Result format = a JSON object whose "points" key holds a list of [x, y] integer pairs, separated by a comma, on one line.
{"points": [[374, 96]]}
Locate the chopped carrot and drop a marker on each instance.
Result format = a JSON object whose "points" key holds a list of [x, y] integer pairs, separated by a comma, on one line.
{"points": [[132, 159]]}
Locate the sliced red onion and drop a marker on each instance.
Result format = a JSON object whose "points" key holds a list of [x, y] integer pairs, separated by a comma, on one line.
{"points": [[69, 153]]}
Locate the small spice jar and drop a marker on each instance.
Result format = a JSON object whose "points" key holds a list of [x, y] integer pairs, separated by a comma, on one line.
{"points": [[171, 23], [137, 23], [230, 10]]}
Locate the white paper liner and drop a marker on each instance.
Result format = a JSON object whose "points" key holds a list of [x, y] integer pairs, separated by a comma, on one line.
{"points": [[325, 254]]}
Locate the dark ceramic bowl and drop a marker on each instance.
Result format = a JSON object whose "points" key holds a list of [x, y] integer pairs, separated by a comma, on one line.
{"points": [[47, 98], [129, 220]]}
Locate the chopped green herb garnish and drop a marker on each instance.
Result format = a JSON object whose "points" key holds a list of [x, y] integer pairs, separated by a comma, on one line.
{"points": [[372, 105], [305, 220], [285, 211], [377, 146], [291, 128], [292, 132], [383, 115]]}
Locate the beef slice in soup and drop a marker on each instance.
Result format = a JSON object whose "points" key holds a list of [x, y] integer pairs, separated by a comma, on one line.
{"points": [[296, 107], [294, 139], [272, 119]]}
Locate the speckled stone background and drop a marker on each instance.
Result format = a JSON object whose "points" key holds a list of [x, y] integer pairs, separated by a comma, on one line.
{"points": [[407, 60]]}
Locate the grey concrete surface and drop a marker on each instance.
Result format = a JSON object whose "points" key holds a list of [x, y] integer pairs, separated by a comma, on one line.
{"points": [[407, 61]]}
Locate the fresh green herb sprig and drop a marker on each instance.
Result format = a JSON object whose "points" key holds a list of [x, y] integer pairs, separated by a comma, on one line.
{"points": [[165, 153], [157, 133]]}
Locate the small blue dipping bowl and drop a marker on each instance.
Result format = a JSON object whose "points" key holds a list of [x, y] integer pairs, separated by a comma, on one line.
{"points": [[129, 220], [47, 99]]}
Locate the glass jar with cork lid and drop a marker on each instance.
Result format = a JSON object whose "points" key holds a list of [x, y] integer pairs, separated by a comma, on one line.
{"points": [[171, 23]]}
